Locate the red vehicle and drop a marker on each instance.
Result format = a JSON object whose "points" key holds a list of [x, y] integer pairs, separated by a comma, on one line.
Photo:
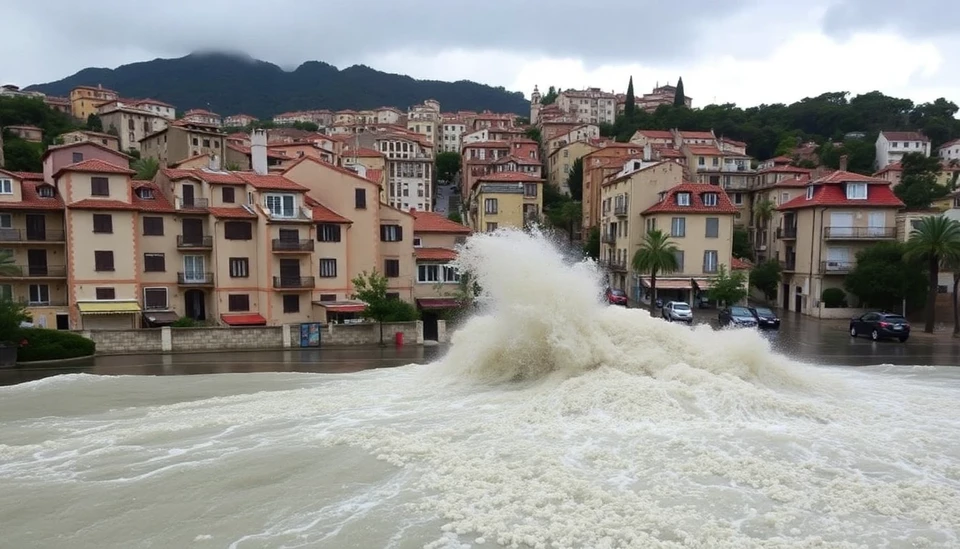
{"points": [[616, 297]]}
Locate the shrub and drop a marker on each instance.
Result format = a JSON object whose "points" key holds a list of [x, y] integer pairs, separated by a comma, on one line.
{"points": [[184, 322], [42, 344], [11, 315], [401, 311], [834, 298]]}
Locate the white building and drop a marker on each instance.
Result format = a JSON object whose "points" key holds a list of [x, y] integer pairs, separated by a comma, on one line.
{"points": [[452, 133], [891, 146], [950, 150], [589, 106]]}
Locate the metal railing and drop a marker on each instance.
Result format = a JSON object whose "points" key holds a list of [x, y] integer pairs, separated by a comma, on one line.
{"points": [[620, 210], [837, 267], [47, 303], [194, 204], [789, 265], [608, 238], [860, 233], [194, 241], [187, 279], [17, 235], [281, 245], [615, 265], [293, 282], [34, 271], [786, 232]]}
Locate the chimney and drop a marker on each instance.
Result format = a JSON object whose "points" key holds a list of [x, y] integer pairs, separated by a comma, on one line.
{"points": [[258, 151], [647, 153], [214, 163], [843, 163]]}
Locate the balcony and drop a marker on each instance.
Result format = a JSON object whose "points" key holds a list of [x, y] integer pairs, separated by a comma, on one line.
{"points": [[195, 279], [786, 233], [192, 204], [620, 210], [608, 238], [295, 246], [293, 282], [615, 266], [47, 303], [31, 237], [836, 267], [789, 266], [34, 271], [859, 233], [194, 242]]}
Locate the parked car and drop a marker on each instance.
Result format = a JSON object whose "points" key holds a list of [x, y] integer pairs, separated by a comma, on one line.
{"points": [[766, 318], [880, 326], [616, 297], [677, 311], [739, 317]]}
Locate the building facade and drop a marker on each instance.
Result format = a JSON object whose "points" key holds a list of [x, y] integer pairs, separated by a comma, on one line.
{"points": [[891, 146]]}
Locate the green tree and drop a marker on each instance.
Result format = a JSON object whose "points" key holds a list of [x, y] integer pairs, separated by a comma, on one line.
{"points": [[146, 168], [21, 155], [566, 217], [12, 315], [882, 278], [679, 99], [742, 249], [728, 287], [575, 180], [550, 97], [7, 265], [918, 186], [763, 212], [787, 145], [94, 124], [630, 103], [766, 277], [657, 254], [533, 132], [833, 298], [936, 240], [591, 248], [448, 165], [372, 290], [455, 217]]}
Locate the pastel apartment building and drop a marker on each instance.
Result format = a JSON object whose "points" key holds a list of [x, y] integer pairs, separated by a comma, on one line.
{"points": [[130, 123], [107, 140], [84, 100], [949, 151], [436, 284], [182, 140], [203, 117], [507, 199], [591, 105], [891, 146]]}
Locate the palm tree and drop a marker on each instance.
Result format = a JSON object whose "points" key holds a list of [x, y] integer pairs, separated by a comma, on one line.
{"points": [[7, 268], [657, 254], [146, 168], [763, 211], [936, 239]]}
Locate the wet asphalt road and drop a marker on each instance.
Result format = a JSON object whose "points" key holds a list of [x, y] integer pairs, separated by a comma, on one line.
{"points": [[802, 338]]}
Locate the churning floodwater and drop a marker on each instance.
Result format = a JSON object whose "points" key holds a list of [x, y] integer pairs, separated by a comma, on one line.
{"points": [[552, 422]]}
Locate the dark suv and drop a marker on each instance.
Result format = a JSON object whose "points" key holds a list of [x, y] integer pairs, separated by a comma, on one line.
{"points": [[880, 326]]}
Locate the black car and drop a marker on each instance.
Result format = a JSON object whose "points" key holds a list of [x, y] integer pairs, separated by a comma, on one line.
{"points": [[880, 326], [741, 317], [766, 318]]}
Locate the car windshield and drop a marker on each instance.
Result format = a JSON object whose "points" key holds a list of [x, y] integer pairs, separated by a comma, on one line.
{"points": [[739, 311], [681, 307], [617, 292], [764, 311]]}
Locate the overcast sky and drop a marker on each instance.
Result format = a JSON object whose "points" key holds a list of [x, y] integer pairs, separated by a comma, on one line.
{"points": [[743, 51]]}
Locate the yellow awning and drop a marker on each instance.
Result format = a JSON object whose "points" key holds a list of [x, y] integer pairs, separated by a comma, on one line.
{"points": [[108, 307]]}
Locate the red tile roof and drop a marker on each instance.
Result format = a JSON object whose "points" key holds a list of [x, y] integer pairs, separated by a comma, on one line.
{"points": [[488, 145], [784, 169], [330, 166], [158, 203], [696, 135], [28, 176], [363, 152], [435, 254], [95, 165], [52, 148], [905, 136], [270, 182], [696, 190], [831, 192], [96, 204], [243, 319], [738, 264], [518, 160], [895, 167], [704, 150], [323, 214], [801, 181], [949, 144], [432, 222], [175, 174], [30, 200], [510, 177], [375, 175], [231, 213], [656, 134], [839, 176]]}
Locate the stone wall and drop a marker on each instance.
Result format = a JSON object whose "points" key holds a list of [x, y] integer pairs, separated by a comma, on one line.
{"points": [[369, 333], [839, 313], [125, 341], [227, 339]]}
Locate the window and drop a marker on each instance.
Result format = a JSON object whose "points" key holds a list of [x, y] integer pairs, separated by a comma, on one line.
{"points": [[530, 190], [491, 227], [6, 186], [6, 292], [291, 303], [490, 205], [154, 263], [103, 260], [417, 242], [99, 186], [651, 224], [784, 198], [391, 233], [239, 267], [154, 298], [39, 294], [145, 193], [683, 199], [238, 302], [6, 221], [679, 255], [106, 293], [709, 199], [710, 261], [206, 143], [153, 226], [856, 191], [328, 297], [328, 268], [809, 193], [328, 233], [228, 195], [238, 230], [77, 157], [738, 198], [450, 274], [678, 226], [281, 205], [360, 199], [713, 227], [428, 274], [102, 223], [391, 268]]}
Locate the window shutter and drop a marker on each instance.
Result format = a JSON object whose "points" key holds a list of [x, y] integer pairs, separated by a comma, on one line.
{"points": [[399, 233], [383, 233]]}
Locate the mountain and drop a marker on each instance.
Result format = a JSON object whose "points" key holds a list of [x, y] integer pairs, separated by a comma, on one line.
{"points": [[231, 83]]}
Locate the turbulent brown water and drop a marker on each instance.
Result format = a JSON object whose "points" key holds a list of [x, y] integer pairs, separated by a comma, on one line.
{"points": [[552, 422]]}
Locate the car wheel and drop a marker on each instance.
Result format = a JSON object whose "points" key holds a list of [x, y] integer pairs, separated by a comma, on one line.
{"points": [[853, 331], [903, 340], [875, 335]]}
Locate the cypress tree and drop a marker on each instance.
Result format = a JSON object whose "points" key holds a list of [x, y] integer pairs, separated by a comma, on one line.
{"points": [[678, 99], [630, 105]]}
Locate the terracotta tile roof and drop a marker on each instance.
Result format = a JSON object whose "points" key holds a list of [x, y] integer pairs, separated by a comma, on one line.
{"points": [[801, 181], [30, 200], [243, 149], [510, 177], [363, 152], [435, 254], [696, 190], [270, 182], [375, 175], [231, 213], [780, 160], [847, 177], [28, 176], [669, 152], [733, 142], [905, 136], [656, 134], [696, 135], [784, 169], [518, 160], [174, 174], [738, 264], [219, 178], [327, 165], [488, 145], [704, 150], [832, 193], [52, 148], [323, 214], [96, 204], [95, 165], [949, 144], [432, 222], [895, 167], [158, 203]]}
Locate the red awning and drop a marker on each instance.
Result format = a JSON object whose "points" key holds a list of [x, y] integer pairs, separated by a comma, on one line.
{"points": [[251, 319], [669, 283], [341, 307], [438, 303]]}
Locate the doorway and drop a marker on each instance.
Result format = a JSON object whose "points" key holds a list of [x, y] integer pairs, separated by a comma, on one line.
{"points": [[290, 273], [194, 304], [785, 292], [188, 195], [37, 262], [798, 301], [192, 231], [63, 321], [36, 227], [431, 326]]}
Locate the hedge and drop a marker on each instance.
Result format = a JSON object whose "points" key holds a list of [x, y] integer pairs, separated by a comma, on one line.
{"points": [[44, 344]]}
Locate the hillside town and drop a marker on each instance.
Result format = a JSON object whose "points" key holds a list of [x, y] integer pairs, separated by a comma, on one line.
{"points": [[237, 221]]}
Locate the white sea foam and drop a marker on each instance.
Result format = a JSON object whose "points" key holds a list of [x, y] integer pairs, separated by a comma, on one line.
{"points": [[552, 422]]}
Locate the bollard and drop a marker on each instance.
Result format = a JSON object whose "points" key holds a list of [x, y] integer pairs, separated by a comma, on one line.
{"points": [[398, 337]]}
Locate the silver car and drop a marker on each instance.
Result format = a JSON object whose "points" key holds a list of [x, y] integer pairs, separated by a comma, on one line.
{"points": [[677, 311]]}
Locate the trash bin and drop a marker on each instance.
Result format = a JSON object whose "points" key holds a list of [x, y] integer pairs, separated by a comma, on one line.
{"points": [[398, 338], [8, 355]]}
